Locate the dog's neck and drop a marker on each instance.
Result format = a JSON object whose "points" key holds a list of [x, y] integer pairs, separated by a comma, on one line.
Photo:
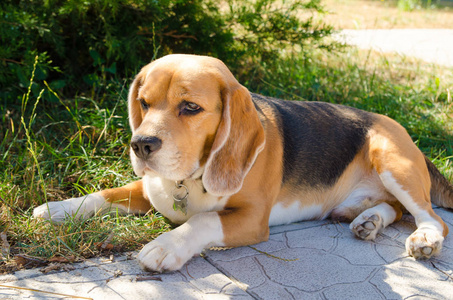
{"points": [[198, 174]]}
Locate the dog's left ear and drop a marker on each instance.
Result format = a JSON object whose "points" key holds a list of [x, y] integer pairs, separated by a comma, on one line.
{"points": [[239, 140]]}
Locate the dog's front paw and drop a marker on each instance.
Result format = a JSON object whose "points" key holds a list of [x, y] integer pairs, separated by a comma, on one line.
{"points": [[164, 255], [424, 243], [56, 211]]}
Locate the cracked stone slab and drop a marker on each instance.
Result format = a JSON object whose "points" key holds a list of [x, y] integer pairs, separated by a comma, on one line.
{"points": [[120, 279], [310, 238], [409, 278], [307, 276], [276, 242], [273, 291], [297, 226], [361, 290]]}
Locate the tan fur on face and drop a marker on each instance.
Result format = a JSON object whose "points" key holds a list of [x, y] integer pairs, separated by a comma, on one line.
{"points": [[187, 140]]}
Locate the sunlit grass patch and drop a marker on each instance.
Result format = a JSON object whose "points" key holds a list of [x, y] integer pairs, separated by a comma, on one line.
{"points": [[74, 239]]}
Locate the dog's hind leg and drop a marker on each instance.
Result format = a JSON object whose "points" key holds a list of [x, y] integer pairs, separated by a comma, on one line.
{"points": [[403, 172], [370, 222]]}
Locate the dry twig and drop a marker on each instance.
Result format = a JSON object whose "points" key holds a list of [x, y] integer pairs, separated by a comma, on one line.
{"points": [[40, 291], [5, 245]]}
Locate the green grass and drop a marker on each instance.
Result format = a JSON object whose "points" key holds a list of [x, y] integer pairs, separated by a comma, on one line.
{"points": [[54, 148], [59, 150]]}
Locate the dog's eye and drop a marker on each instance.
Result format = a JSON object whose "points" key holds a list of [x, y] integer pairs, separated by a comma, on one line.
{"points": [[190, 108], [145, 105]]}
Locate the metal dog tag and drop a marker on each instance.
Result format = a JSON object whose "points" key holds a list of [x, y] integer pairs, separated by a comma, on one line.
{"points": [[180, 194]]}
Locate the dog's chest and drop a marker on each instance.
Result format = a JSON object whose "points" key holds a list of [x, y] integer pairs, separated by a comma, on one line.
{"points": [[160, 193]]}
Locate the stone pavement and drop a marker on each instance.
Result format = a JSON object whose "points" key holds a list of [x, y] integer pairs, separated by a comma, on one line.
{"points": [[430, 45], [307, 260]]}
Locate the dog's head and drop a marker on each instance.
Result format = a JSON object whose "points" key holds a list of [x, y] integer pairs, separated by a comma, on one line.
{"points": [[190, 116]]}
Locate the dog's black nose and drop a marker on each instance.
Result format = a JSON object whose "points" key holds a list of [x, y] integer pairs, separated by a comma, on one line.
{"points": [[145, 146]]}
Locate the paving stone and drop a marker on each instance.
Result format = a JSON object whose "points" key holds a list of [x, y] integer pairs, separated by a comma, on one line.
{"points": [[272, 291], [119, 280], [314, 270], [322, 237], [358, 252], [297, 226], [410, 278], [362, 290], [245, 270], [208, 280], [390, 253], [275, 243]]}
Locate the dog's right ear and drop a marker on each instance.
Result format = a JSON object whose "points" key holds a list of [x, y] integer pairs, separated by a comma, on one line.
{"points": [[239, 139], [135, 112]]}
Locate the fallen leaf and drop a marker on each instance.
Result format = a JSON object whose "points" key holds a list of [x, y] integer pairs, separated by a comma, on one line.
{"points": [[62, 259], [57, 267], [106, 245], [5, 245], [51, 267], [103, 246], [117, 273], [29, 262]]}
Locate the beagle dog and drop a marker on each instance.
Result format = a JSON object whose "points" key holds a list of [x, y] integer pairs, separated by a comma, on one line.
{"points": [[227, 164]]}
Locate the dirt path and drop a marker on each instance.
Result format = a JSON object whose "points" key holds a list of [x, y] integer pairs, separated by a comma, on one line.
{"points": [[430, 45]]}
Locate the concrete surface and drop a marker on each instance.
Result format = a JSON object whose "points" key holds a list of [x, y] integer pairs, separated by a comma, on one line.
{"points": [[307, 260], [430, 45]]}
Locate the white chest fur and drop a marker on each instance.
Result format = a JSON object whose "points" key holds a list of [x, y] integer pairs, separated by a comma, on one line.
{"points": [[159, 192]]}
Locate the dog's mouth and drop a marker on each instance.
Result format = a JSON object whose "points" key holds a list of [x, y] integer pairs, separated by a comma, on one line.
{"points": [[162, 163]]}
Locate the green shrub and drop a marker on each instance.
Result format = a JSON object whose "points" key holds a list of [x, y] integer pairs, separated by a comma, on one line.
{"points": [[91, 41], [83, 44]]}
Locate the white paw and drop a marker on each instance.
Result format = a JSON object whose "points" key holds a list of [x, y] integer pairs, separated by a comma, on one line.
{"points": [[58, 211], [366, 227], [164, 254], [424, 243], [171, 250]]}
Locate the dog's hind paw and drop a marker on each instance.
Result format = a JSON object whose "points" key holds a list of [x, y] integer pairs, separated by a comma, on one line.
{"points": [[367, 227], [424, 243]]}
